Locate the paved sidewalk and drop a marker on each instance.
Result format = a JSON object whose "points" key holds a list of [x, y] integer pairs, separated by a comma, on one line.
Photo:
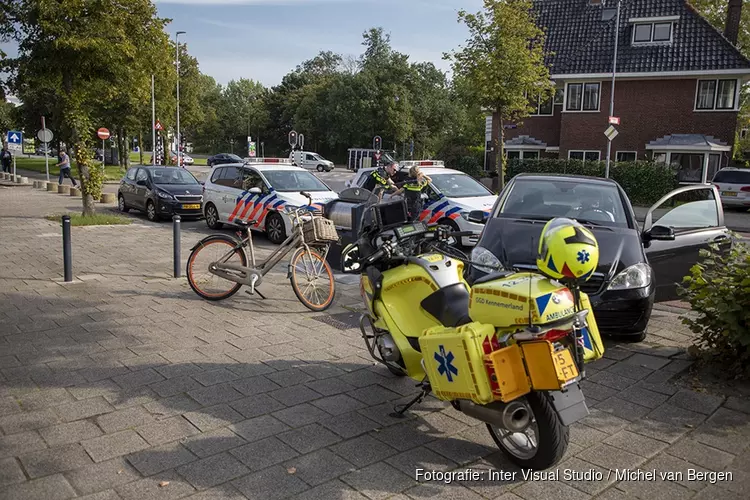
{"points": [[126, 385]]}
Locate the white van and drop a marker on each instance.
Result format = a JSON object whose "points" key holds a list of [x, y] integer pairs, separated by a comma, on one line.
{"points": [[311, 161]]}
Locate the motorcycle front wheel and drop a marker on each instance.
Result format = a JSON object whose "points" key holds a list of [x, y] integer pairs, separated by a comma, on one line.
{"points": [[542, 444]]}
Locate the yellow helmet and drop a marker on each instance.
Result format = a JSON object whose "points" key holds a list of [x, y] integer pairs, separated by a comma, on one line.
{"points": [[567, 250]]}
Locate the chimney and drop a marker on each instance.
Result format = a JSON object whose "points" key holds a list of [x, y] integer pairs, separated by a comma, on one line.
{"points": [[732, 27]]}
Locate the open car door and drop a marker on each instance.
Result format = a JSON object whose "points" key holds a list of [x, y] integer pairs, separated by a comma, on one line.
{"points": [[676, 228]]}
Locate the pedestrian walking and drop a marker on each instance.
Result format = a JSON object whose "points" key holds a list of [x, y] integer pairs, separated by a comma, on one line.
{"points": [[7, 159], [65, 168]]}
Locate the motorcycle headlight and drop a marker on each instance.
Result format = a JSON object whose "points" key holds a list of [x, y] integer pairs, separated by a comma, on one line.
{"points": [[635, 276], [164, 195], [482, 257]]}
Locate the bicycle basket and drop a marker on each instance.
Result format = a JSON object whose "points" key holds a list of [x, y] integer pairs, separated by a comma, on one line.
{"points": [[319, 230]]}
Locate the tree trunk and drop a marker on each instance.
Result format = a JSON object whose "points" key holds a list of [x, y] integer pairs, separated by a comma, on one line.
{"points": [[503, 159], [497, 147], [89, 188], [140, 146]]}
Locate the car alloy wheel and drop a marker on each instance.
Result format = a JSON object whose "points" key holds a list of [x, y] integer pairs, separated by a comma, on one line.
{"points": [[212, 217], [320, 168], [151, 211], [275, 228], [121, 204]]}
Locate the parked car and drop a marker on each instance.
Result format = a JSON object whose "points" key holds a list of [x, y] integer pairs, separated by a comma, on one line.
{"points": [[41, 152], [220, 158], [259, 191], [187, 159], [637, 265], [310, 161], [734, 186], [450, 197], [160, 192]]}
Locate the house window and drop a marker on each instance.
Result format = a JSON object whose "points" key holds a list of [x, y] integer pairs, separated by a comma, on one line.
{"points": [[652, 33], [743, 133], [522, 154], [716, 95], [583, 97], [584, 155], [559, 97], [543, 108], [626, 156]]}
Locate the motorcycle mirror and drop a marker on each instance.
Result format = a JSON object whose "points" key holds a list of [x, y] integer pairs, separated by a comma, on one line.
{"points": [[350, 259], [451, 240]]}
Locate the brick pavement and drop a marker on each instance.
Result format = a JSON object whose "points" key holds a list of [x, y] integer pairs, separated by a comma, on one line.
{"points": [[125, 385]]}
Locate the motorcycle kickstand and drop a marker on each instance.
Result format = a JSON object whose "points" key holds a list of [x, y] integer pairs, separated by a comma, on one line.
{"points": [[399, 410]]}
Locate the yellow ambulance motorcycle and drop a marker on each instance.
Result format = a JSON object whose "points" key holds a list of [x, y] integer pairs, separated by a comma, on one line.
{"points": [[509, 351]]}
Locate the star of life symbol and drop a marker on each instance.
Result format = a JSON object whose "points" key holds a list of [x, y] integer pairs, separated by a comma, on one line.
{"points": [[555, 299], [583, 256], [445, 362]]}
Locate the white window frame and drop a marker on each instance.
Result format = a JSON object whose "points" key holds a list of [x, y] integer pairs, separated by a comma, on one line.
{"points": [[539, 107], [584, 151], [634, 152], [737, 85], [583, 90], [554, 98], [651, 41], [521, 151]]}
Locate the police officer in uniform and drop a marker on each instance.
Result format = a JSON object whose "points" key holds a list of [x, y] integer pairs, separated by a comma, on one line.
{"points": [[413, 189], [380, 179]]}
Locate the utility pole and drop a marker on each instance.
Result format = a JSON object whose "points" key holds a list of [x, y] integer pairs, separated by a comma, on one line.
{"points": [[177, 64], [612, 89], [153, 123]]}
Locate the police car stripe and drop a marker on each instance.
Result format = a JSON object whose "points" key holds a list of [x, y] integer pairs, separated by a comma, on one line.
{"points": [[248, 205], [258, 206], [452, 211]]}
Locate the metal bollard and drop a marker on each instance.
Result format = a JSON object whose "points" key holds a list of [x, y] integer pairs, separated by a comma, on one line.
{"points": [[67, 258], [176, 245]]}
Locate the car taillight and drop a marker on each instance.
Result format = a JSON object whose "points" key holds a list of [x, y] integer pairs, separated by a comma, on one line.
{"points": [[554, 335], [745, 189]]}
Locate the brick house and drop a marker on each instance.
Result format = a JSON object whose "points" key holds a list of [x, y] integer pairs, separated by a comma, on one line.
{"points": [[677, 86]]}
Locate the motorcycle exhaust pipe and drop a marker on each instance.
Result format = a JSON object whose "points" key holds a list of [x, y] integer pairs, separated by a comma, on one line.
{"points": [[513, 416]]}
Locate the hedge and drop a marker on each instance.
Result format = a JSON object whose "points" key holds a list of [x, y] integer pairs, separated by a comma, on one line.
{"points": [[644, 182]]}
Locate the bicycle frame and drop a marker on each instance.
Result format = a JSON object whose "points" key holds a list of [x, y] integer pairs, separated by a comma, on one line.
{"points": [[252, 275]]}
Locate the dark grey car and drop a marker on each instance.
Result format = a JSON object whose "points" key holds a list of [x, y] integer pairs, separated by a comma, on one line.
{"points": [[161, 192]]}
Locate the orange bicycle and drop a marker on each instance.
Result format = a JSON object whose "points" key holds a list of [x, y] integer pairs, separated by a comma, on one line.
{"points": [[226, 269]]}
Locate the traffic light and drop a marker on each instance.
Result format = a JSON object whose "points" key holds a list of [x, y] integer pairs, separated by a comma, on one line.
{"points": [[293, 138], [377, 142]]}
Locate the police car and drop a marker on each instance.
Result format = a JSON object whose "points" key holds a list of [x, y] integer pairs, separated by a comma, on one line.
{"points": [[450, 196], [260, 190]]}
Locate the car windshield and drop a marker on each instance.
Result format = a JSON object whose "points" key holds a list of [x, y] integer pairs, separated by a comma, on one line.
{"points": [[318, 157], [294, 180], [457, 185], [733, 176], [172, 176], [234, 158], [598, 204]]}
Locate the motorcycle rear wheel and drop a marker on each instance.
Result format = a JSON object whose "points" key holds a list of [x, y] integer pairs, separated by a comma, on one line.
{"points": [[548, 445]]}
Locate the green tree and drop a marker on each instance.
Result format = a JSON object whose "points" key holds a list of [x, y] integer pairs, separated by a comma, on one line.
{"points": [[503, 64], [242, 112], [82, 53]]}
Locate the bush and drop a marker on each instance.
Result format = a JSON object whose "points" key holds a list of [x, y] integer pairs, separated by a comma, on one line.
{"points": [[644, 182], [469, 165], [718, 289]]}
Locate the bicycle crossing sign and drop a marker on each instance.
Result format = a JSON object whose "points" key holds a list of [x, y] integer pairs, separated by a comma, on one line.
{"points": [[15, 140]]}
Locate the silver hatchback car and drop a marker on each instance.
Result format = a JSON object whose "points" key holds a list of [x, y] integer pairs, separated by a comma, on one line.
{"points": [[734, 186]]}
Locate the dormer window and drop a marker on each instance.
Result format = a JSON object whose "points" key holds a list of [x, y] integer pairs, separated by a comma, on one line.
{"points": [[652, 33]]}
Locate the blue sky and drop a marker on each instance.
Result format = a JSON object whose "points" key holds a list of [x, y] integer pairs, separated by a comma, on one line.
{"points": [[265, 39]]}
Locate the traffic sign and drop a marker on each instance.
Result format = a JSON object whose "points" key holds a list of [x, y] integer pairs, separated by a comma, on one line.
{"points": [[611, 132], [251, 149], [158, 126], [103, 133], [45, 135], [15, 140], [293, 138], [614, 120]]}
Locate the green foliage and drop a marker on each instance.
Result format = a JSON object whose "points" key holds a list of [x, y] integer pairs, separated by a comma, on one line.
{"points": [[718, 289], [95, 220], [469, 165], [502, 63], [644, 182]]}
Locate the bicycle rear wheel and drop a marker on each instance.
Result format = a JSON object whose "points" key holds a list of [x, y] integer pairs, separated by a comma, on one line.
{"points": [[312, 280], [202, 281]]}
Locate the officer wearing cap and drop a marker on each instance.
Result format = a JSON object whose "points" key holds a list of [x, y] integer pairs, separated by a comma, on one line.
{"points": [[380, 179]]}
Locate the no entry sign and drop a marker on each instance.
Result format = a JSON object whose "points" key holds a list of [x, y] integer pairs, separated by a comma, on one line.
{"points": [[103, 133]]}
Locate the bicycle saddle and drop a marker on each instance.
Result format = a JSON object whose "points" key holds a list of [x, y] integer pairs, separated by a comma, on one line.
{"points": [[244, 224]]}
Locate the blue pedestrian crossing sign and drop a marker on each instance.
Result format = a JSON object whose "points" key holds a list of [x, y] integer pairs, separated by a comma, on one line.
{"points": [[15, 140]]}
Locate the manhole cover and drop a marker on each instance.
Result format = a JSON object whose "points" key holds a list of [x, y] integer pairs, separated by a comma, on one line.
{"points": [[340, 321]]}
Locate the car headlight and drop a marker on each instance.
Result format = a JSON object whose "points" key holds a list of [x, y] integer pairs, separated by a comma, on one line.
{"points": [[164, 195], [481, 257], [635, 276], [465, 215]]}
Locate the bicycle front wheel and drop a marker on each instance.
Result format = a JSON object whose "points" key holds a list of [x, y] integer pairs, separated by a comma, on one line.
{"points": [[204, 282], [312, 280]]}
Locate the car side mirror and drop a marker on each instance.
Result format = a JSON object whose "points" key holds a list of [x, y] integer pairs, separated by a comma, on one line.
{"points": [[141, 182], [254, 190], [477, 217], [659, 233]]}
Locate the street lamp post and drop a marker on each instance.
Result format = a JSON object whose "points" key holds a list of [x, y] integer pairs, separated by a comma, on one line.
{"points": [[612, 90], [177, 64]]}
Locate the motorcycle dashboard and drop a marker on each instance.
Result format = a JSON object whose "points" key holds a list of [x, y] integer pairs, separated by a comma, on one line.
{"points": [[410, 230]]}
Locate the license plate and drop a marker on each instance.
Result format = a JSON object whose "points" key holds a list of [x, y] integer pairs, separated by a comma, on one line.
{"points": [[195, 206], [564, 365], [728, 193]]}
